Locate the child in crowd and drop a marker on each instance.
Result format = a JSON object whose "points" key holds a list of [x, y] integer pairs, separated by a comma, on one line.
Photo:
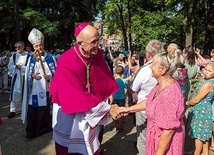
{"points": [[119, 96], [180, 75], [200, 118]]}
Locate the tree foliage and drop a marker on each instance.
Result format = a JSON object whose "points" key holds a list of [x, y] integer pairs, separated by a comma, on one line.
{"points": [[166, 20], [55, 18], [138, 21]]}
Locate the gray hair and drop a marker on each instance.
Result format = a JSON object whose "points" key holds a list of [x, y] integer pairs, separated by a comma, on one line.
{"points": [[174, 45], [181, 58], [20, 43], [154, 47], [169, 61]]}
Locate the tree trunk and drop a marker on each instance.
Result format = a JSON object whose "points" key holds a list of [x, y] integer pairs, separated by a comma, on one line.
{"points": [[130, 25], [188, 40], [17, 20], [120, 9], [188, 22], [208, 39]]}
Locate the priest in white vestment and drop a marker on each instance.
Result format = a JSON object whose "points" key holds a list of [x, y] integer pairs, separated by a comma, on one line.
{"points": [[16, 67]]}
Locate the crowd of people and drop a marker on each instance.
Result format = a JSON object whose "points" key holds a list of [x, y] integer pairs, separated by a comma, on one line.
{"points": [[183, 82], [169, 90]]}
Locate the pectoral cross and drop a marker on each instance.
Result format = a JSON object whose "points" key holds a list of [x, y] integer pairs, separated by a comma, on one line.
{"points": [[87, 71], [35, 100], [88, 78], [88, 87]]}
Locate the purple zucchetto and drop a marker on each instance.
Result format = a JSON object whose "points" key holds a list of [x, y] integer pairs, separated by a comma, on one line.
{"points": [[79, 28]]}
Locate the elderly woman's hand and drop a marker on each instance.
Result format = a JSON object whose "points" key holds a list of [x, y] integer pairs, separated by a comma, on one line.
{"points": [[114, 111], [123, 110]]}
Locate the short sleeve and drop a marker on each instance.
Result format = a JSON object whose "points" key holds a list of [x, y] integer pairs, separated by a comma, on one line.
{"points": [[143, 76], [170, 109], [150, 96]]}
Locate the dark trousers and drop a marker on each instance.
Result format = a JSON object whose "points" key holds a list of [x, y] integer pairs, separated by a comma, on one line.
{"points": [[62, 150], [38, 121]]}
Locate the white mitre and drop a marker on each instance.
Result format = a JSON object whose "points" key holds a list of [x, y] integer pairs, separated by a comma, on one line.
{"points": [[35, 36]]}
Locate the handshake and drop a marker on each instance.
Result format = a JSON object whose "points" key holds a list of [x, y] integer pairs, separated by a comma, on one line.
{"points": [[117, 112]]}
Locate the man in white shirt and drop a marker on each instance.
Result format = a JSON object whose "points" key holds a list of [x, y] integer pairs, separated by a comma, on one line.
{"points": [[142, 85]]}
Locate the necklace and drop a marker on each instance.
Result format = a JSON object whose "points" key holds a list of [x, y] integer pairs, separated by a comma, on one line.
{"points": [[87, 70], [165, 85]]}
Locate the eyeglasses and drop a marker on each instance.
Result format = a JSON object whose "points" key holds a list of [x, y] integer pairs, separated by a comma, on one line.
{"points": [[167, 59], [93, 43], [37, 46]]}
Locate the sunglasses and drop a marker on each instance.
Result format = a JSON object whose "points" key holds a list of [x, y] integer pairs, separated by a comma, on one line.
{"points": [[17, 47]]}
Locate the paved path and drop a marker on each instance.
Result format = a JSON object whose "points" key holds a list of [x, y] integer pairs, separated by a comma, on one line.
{"points": [[12, 134], [12, 140]]}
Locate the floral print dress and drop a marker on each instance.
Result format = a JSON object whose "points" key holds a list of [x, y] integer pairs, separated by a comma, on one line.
{"points": [[180, 76], [165, 112], [200, 116]]}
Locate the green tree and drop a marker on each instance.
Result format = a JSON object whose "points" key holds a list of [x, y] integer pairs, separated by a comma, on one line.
{"points": [[115, 17], [183, 22], [55, 18], [209, 31], [199, 23], [142, 21]]}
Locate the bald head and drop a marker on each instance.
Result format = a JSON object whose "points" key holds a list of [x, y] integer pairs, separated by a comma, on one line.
{"points": [[87, 33], [88, 40], [20, 46]]}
